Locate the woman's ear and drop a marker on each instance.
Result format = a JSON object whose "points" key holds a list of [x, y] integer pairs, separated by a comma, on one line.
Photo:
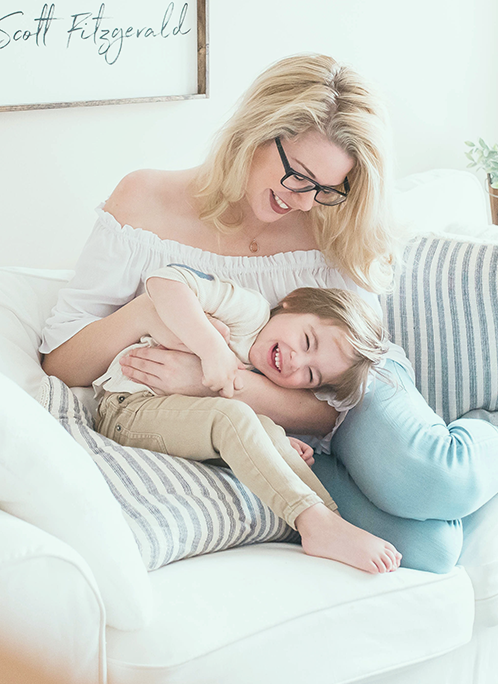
{"points": [[285, 305]]}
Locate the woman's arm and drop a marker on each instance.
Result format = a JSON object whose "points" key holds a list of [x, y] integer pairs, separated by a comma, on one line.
{"points": [[86, 355], [170, 372], [296, 410]]}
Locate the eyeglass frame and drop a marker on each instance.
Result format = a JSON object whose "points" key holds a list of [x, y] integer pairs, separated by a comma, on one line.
{"points": [[289, 171]]}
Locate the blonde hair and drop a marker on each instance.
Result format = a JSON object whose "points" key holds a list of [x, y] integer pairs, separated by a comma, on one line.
{"points": [[362, 328], [295, 95]]}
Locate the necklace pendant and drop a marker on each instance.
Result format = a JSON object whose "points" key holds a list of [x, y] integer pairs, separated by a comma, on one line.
{"points": [[253, 246]]}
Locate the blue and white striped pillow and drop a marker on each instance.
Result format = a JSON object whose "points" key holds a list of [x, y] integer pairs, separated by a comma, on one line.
{"points": [[444, 313], [175, 508]]}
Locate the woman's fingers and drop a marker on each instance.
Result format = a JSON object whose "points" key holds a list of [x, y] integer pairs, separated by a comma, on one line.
{"points": [[140, 376], [155, 354], [165, 371], [144, 370]]}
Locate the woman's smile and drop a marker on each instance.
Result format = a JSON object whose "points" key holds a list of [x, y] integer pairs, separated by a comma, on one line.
{"points": [[278, 204]]}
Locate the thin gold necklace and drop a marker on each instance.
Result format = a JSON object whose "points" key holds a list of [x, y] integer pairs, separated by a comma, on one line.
{"points": [[254, 244]]}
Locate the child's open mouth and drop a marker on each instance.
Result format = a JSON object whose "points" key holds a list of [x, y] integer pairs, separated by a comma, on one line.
{"points": [[275, 358]]}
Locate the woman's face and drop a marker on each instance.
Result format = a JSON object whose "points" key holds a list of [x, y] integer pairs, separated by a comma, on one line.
{"points": [[310, 154]]}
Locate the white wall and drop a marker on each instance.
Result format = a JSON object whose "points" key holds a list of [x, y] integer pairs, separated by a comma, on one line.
{"points": [[436, 61]]}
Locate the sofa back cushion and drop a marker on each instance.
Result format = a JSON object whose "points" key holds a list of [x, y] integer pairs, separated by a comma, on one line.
{"points": [[444, 313], [26, 297]]}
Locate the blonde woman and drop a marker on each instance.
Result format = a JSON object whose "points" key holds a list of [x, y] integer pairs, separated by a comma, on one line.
{"points": [[295, 193]]}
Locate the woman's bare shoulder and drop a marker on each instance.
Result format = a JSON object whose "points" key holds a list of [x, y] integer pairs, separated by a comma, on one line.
{"points": [[145, 198]]}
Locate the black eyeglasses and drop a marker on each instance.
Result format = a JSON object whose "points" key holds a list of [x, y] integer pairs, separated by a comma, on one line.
{"points": [[296, 182]]}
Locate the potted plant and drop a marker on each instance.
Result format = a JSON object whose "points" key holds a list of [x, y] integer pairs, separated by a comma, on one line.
{"points": [[486, 158]]}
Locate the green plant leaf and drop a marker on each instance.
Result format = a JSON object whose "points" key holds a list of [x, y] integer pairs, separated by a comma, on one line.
{"points": [[483, 158]]}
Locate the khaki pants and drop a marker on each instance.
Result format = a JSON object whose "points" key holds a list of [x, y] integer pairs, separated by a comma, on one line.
{"points": [[203, 428]]}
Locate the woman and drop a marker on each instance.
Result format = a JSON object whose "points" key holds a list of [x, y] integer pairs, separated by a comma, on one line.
{"points": [[294, 193]]}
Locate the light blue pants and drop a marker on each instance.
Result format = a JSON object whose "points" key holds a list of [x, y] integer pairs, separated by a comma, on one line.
{"points": [[399, 472]]}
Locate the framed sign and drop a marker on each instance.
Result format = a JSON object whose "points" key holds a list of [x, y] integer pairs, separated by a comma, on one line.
{"points": [[88, 52]]}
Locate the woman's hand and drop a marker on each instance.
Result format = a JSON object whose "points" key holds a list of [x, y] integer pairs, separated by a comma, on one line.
{"points": [[166, 371]]}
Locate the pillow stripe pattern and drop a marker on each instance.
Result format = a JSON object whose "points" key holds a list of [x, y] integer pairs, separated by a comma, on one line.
{"points": [[174, 507], [444, 313]]}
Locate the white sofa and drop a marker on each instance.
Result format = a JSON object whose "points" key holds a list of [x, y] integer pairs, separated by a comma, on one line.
{"points": [[262, 613]]}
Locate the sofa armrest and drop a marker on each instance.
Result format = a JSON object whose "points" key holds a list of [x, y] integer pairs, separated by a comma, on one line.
{"points": [[52, 618]]}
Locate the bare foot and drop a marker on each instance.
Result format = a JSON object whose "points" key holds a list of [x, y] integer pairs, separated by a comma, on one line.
{"points": [[325, 534]]}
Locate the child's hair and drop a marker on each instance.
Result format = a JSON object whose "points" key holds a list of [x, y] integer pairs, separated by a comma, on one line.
{"points": [[295, 95], [362, 327]]}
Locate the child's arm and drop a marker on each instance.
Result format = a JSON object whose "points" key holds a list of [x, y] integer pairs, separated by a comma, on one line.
{"points": [[154, 326], [181, 312]]}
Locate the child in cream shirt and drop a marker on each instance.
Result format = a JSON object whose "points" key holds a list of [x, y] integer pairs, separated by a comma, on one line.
{"points": [[314, 339]]}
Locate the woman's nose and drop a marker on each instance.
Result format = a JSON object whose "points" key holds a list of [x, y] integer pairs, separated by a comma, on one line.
{"points": [[305, 201]]}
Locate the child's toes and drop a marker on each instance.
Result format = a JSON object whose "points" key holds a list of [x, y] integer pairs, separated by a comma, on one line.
{"points": [[393, 560], [374, 567], [381, 564]]}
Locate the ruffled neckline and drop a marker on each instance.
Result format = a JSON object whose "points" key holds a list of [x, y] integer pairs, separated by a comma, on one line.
{"points": [[301, 258]]}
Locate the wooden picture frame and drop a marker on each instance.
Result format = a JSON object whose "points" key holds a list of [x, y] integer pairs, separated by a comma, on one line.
{"points": [[30, 34]]}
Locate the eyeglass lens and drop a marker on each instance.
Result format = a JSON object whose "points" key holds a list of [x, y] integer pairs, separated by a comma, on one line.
{"points": [[295, 183]]}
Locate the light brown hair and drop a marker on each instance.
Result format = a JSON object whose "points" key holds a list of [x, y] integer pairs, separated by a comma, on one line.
{"points": [[362, 328]]}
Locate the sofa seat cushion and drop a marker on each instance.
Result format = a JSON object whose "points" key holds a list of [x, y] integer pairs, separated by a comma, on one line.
{"points": [[248, 615], [42, 578], [480, 558]]}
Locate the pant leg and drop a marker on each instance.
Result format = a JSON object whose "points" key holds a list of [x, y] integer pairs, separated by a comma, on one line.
{"points": [[430, 545], [202, 428], [407, 462], [292, 458], [159, 423]]}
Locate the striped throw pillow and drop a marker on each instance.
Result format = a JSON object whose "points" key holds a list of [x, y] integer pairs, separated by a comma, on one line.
{"points": [[444, 313], [175, 508]]}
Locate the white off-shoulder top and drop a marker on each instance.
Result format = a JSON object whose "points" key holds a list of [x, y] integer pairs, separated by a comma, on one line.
{"points": [[116, 260]]}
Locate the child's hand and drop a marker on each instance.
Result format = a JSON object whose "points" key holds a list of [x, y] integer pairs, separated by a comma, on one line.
{"points": [[219, 370], [304, 450]]}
